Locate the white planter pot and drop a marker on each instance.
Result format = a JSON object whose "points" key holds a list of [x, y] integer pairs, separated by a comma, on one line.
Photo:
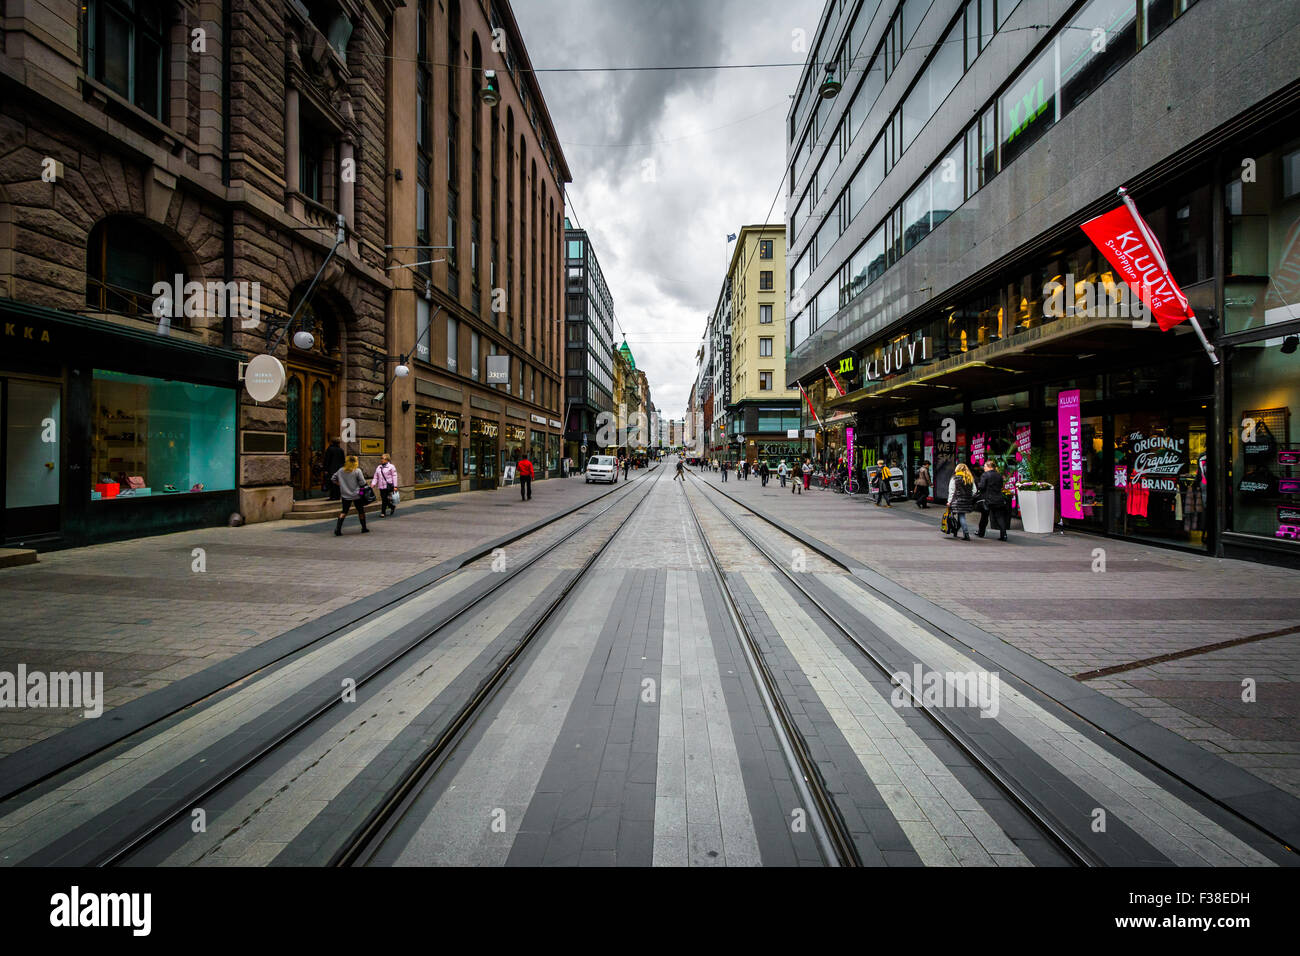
{"points": [[1037, 510]]}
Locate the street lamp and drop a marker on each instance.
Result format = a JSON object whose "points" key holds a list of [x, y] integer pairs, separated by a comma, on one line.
{"points": [[489, 94], [830, 87]]}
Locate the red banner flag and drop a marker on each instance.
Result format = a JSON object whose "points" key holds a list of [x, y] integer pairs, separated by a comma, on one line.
{"points": [[1128, 245], [838, 387]]}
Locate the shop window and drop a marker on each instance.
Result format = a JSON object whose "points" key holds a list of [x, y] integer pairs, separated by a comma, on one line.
{"points": [[437, 448], [1265, 455], [1262, 229], [123, 261], [124, 49], [1160, 484], [157, 437]]}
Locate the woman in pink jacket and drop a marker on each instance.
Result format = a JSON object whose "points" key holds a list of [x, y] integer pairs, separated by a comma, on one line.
{"points": [[385, 482]]}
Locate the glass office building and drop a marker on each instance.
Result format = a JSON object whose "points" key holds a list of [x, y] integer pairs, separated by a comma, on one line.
{"points": [[938, 265]]}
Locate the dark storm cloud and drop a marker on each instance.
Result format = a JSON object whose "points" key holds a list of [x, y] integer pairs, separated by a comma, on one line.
{"points": [[613, 113], [666, 163]]}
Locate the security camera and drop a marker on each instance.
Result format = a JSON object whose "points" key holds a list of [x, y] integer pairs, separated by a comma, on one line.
{"points": [[378, 398]]}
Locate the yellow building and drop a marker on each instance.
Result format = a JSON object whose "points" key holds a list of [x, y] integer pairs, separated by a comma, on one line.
{"points": [[761, 410]]}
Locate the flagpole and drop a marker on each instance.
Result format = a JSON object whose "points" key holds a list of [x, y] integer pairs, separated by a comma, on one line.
{"points": [[1160, 258]]}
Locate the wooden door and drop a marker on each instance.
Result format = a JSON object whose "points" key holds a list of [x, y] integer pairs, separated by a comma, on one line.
{"points": [[311, 419]]}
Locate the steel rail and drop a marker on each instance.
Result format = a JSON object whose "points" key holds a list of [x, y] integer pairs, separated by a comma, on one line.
{"points": [[165, 818], [832, 834], [1078, 852], [370, 835]]}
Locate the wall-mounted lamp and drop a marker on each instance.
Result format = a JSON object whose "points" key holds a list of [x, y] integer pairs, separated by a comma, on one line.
{"points": [[406, 406], [397, 175]]}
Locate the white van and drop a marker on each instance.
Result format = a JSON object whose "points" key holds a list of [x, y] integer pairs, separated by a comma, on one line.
{"points": [[602, 468]]}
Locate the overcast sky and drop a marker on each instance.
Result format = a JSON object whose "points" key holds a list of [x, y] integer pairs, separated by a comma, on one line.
{"points": [[666, 164]]}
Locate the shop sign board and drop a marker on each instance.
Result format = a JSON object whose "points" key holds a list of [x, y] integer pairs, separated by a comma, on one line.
{"points": [[498, 370], [263, 378], [1069, 429], [892, 360], [372, 446]]}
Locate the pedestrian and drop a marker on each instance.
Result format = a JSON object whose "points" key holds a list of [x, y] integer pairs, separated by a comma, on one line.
{"points": [[525, 472], [681, 471], [763, 472], [385, 482], [961, 498], [782, 471], [807, 472], [796, 481], [351, 481], [991, 502], [921, 488], [627, 462], [725, 465], [882, 489], [331, 462]]}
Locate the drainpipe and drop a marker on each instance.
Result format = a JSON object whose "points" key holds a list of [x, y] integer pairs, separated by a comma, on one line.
{"points": [[228, 225]]}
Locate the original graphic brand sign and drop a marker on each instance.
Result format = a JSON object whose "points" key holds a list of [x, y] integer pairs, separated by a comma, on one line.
{"points": [[1158, 460], [1288, 457], [1288, 486], [895, 358]]}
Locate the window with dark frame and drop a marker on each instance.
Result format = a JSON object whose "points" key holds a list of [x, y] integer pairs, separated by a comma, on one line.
{"points": [[124, 50]]}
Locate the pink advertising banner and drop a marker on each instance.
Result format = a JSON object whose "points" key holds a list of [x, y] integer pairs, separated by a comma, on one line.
{"points": [[1069, 430], [848, 451], [977, 449]]}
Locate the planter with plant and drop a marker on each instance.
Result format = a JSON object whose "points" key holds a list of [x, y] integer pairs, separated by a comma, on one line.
{"points": [[1036, 493]]}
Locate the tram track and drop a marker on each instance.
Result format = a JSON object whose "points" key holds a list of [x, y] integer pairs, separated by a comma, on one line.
{"points": [[833, 837], [369, 836], [1064, 708], [24, 772], [133, 837], [1074, 850]]}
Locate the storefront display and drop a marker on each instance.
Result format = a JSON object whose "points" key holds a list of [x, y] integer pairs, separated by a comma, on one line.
{"points": [[157, 437], [437, 449], [1265, 476], [481, 456], [514, 444]]}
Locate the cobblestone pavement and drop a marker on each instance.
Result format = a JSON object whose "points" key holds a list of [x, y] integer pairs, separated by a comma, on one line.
{"points": [[141, 612], [1041, 594]]}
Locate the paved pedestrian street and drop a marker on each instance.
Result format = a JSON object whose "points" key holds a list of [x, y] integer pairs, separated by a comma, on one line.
{"points": [[1108, 630], [658, 673]]}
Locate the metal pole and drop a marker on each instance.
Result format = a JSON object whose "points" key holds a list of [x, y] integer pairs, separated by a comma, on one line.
{"points": [[1160, 258]]}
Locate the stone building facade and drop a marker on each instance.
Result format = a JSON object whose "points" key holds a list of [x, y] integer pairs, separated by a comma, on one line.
{"points": [[211, 147]]}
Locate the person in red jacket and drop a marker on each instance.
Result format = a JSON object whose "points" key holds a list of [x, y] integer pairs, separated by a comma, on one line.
{"points": [[525, 471]]}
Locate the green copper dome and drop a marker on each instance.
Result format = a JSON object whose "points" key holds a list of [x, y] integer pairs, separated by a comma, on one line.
{"points": [[627, 354]]}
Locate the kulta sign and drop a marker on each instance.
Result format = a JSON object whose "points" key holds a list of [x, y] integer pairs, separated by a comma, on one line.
{"points": [[894, 358]]}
